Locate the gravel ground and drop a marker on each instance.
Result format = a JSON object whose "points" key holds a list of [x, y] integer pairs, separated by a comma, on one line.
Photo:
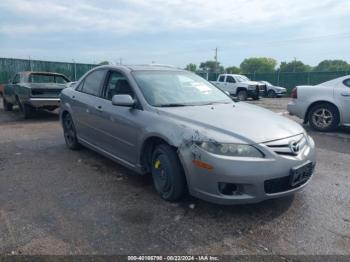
{"points": [[56, 201]]}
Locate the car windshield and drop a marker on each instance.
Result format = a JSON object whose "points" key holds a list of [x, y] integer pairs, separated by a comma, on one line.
{"points": [[242, 78], [177, 88], [47, 78]]}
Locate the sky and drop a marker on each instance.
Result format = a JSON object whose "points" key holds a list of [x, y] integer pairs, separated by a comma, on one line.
{"points": [[175, 32]]}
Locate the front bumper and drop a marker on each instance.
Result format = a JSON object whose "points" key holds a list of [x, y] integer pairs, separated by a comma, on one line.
{"points": [[44, 102], [250, 175], [253, 92]]}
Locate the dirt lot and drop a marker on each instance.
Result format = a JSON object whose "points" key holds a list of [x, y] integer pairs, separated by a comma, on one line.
{"points": [[56, 201]]}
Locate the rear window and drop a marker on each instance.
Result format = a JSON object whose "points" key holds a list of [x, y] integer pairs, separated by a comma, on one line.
{"points": [[47, 78]]}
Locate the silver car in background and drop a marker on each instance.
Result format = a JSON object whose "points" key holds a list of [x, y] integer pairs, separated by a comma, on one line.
{"points": [[324, 106], [274, 91], [187, 133]]}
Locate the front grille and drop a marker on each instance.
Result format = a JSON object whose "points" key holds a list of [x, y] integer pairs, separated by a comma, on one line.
{"points": [[281, 184], [288, 146]]}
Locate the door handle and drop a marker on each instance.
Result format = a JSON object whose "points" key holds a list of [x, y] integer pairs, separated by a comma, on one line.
{"points": [[99, 108], [73, 97], [345, 94]]}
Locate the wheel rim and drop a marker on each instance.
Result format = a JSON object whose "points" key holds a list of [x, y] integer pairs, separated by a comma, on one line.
{"points": [[69, 131], [241, 96], [322, 118], [271, 94], [162, 180]]}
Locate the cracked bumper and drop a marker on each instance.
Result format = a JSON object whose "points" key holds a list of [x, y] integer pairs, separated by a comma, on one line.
{"points": [[248, 174]]}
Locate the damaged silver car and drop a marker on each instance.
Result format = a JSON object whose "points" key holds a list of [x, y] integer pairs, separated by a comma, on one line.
{"points": [[187, 133]]}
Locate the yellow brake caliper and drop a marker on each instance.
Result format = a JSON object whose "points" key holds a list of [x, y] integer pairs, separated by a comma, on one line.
{"points": [[157, 164]]}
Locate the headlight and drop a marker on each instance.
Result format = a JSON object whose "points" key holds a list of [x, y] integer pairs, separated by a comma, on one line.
{"points": [[239, 150]]}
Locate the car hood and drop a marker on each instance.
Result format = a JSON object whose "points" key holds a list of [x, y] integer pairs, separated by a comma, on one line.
{"points": [[252, 83], [279, 88], [242, 121]]}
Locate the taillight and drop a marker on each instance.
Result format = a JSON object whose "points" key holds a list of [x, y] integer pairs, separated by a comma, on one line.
{"points": [[294, 93]]}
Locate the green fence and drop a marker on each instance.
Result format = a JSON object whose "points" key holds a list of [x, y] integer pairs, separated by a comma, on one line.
{"points": [[10, 66], [288, 80]]}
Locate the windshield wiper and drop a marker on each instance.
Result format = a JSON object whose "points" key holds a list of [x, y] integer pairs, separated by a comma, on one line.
{"points": [[171, 105]]}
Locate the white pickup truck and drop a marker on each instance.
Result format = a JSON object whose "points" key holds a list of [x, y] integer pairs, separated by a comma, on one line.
{"points": [[240, 86]]}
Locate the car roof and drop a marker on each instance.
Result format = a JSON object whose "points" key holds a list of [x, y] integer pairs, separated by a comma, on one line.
{"points": [[151, 67], [40, 72]]}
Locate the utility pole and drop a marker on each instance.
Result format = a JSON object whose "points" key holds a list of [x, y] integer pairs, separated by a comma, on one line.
{"points": [[216, 61], [120, 60], [295, 61]]}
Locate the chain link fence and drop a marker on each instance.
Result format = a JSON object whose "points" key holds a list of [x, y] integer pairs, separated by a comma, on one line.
{"points": [[288, 80], [10, 66]]}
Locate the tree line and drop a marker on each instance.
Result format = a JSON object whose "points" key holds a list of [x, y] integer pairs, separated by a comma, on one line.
{"points": [[269, 65]]}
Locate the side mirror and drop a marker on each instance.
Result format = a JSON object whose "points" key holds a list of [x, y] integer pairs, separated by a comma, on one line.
{"points": [[123, 100], [10, 81]]}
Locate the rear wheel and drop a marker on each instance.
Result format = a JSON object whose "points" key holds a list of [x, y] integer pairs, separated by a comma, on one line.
{"points": [[7, 106], [25, 109], [167, 173], [242, 95], [70, 134], [324, 117], [271, 94]]}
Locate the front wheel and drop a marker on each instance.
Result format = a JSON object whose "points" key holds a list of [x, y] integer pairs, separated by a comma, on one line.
{"points": [[324, 117], [70, 134], [242, 95], [271, 94], [167, 173]]}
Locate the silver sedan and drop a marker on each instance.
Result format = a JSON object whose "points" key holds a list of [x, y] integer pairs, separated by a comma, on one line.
{"points": [[189, 135], [324, 106]]}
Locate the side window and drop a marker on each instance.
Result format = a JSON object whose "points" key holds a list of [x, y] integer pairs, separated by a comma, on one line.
{"points": [[117, 85], [230, 79], [347, 82], [93, 83], [16, 79], [222, 79]]}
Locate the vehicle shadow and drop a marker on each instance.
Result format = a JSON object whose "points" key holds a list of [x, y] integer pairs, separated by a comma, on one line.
{"points": [[38, 116], [190, 206]]}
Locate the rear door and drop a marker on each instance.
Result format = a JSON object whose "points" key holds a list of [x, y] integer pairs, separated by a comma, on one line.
{"points": [[342, 95], [83, 103]]}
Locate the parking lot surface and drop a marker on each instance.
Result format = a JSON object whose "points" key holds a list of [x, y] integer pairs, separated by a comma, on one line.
{"points": [[57, 201]]}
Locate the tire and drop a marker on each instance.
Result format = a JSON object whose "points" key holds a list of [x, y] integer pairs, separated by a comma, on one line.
{"points": [[70, 134], [324, 117], [271, 94], [242, 95], [167, 173], [7, 106]]}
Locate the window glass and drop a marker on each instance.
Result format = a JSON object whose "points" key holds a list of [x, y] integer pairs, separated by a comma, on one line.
{"points": [[93, 82], [117, 85], [230, 79], [16, 79], [222, 79], [347, 82], [60, 80], [177, 88]]}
